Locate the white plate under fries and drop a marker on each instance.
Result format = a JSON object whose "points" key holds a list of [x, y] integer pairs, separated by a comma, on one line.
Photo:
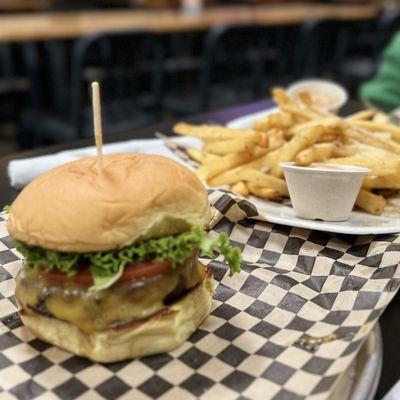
{"points": [[359, 223], [246, 122]]}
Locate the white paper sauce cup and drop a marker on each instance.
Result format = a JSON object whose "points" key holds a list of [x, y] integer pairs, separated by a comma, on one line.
{"points": [[323, 191]]}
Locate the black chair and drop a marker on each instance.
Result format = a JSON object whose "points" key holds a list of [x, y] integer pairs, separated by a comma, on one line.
{"points": [[233, 68], [387, 25], [13, 83], [128, 66], [319, 48]]}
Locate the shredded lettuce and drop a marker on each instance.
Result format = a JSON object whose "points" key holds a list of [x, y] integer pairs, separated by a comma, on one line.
{"points": [[6, 208], [106, 267]]}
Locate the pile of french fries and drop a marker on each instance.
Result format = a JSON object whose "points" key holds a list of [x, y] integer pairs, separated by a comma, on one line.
{"points": [[248, 160]]}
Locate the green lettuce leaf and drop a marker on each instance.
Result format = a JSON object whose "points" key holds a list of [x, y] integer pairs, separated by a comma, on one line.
{"points": [[6, 208], [107, 266]]}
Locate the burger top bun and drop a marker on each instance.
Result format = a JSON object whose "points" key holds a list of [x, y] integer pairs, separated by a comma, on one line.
{"points": [[74, 208]]}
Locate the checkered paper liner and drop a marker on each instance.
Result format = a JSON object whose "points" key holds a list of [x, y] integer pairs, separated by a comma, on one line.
{"points": [[295, 284]]}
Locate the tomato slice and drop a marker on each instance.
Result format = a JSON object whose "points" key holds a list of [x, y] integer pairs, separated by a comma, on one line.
{"points": [[132, 271]]}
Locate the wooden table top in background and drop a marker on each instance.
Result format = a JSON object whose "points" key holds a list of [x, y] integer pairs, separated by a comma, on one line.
{"points": [[70, 25]]}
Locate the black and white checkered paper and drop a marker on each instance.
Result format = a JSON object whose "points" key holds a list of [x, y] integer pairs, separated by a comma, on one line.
{"points": [[295, 285]]}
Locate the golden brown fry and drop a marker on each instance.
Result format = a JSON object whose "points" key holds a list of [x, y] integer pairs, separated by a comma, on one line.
{"points": [[261, 179], [263, 140], [305, 113], [231, 176], [361, 115], [316, 153], [263, 192], [330, 124], [378, 166], [371, 139], [196, 155], [371, 203], [229, 146], [278, 120], [241, 189], [381, 118], [347, 150], [213, 132], [331, 137], [276, 139], [259, 152], [372, 126], [290, 149], [201, 156], [382, 182], [261, 125], [281, 97], [305, 98], [217, 166]]}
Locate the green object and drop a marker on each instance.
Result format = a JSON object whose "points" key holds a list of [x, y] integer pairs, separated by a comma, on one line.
{"points": [[107, 266], [384, 89], [6, 209]]}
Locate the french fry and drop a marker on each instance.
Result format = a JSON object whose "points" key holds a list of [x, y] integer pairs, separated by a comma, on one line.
{"points": [[263, 192], [372, 126], [381, 118], [276, 139], [280, 120], [316, 153], [305, 98], [240, 188], [280, 97], [361, 115], [306, 114], [369, 138], [289, 150], [261, 179], [378, 166], [365, 150], [258, 151], [222, 164], [213, 132], [196, 155], [382, 182], [330, 124], [201, 156], [348, 150], [261, 125], [264, 140], [377, 126], [229, 146], [370, 202], [230, 176]]}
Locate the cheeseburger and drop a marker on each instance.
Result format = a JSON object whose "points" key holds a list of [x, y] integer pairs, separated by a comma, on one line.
{"points": [[111, 268]]}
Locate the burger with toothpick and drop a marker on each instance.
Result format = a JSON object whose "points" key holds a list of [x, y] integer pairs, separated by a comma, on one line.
{"points": [[111, 249]]}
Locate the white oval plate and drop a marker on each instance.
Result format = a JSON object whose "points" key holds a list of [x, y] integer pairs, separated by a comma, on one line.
{"points": [[359, 223]]}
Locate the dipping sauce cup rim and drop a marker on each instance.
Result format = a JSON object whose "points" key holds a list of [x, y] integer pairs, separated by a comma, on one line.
{"points": [[318, 168]]}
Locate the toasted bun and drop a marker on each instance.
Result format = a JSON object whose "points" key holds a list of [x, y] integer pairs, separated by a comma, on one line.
{"points": [[159, 334], [137, 197]]}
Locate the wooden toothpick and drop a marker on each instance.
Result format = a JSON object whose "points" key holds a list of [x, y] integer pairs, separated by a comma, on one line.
{"points": [[98, 132]]}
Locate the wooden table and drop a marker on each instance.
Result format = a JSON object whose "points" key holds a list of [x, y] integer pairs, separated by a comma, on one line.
{"points": [[21, 5], [69, 25]]}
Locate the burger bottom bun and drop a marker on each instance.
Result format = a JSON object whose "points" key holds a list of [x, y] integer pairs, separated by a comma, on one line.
{"points": [[161, 333]]}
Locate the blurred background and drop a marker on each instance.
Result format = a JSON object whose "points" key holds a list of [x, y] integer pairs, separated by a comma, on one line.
{"points": [[158, 60]]}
